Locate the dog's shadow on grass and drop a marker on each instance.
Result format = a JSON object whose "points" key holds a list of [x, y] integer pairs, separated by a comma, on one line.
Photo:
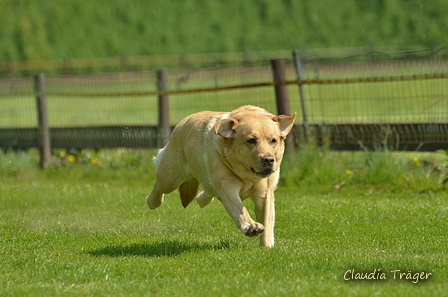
{"points": [[159, 249]]}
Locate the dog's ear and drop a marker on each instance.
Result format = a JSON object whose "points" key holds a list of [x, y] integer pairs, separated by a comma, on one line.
{"points": [[226, 127], [285, 123]]}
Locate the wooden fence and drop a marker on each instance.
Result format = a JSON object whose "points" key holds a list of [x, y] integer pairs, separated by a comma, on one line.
{"points": [[344, 136]]}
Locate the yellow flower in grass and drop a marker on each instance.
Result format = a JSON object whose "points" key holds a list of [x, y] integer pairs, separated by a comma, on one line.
{"points": [[350, 172], [417, 161], [94, 160], [63, 154], [71, 158]]}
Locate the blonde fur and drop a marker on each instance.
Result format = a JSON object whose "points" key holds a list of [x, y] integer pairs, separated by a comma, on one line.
{"points": [[233, 156]]}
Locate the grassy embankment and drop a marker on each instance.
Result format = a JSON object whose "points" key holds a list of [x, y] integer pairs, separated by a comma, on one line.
{"points": [[35, 30]]}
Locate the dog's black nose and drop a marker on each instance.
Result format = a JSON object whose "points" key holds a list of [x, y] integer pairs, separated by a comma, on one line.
{"points": [[268, 160]]}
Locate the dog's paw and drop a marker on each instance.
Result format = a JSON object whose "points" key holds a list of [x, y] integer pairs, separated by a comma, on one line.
{"points": [[253, 229]]}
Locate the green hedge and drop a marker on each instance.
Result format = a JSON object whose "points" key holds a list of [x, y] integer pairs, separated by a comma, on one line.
{"points": [[42, 29]]}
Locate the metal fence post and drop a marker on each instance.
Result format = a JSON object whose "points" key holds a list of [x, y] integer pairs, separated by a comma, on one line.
{"points": [[282, 98], [43, 131], [164, 112], [298, 67]]}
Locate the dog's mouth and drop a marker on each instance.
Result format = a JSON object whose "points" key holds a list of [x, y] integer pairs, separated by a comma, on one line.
{"points": [[264, 173]]}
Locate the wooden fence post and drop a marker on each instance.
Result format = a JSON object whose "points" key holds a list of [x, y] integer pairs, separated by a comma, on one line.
{"points": [[164, 111], [281, 91], [67, 66], [10, 68], [282, 98], [298, 66], [43, 131], [124, 62]]}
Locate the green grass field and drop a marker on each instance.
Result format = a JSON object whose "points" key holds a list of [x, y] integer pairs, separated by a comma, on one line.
{"points": [[80, 227]]}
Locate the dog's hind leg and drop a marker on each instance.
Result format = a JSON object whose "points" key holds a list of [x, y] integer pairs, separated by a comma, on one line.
{"points": [[155, 199], [204, 199], [166, 186], [169, 176]]}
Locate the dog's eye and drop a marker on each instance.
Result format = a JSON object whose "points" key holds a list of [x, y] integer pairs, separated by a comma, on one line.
{"points": [[252, 141]]}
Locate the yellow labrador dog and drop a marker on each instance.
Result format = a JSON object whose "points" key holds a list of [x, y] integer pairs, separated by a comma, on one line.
{"points": [[233, 156]]}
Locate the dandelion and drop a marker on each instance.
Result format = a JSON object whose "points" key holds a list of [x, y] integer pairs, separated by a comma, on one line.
{"points": [[417, 161], [63, 154], [94, 160], [350, 172], [71, 158]]}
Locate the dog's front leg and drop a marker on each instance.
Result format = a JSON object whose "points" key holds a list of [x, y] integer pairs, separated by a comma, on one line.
{"points": [[231, 200], [265, 212]]}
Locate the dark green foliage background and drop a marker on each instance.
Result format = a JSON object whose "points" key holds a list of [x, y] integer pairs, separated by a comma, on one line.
{"points": [[43, 29]]}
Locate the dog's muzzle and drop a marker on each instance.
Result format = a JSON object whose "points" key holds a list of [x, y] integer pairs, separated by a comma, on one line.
{"points": [[267, 162], [264, 173]]}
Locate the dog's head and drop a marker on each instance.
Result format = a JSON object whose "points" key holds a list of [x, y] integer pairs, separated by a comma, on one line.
{"points": [[254, 141]]}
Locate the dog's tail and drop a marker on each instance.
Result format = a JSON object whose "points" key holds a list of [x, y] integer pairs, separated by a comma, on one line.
{"points": [[157, 159], [188, 191]]}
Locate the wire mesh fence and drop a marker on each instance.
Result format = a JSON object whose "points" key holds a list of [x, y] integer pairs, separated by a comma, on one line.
{"points": [[383, 92], [375, 88]]}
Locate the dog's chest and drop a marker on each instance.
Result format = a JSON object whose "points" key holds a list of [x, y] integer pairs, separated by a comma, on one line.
{"points": [[247, 191]]}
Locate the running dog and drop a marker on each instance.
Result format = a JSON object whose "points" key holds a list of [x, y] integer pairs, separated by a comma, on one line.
{"points": [[233, 156]]}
